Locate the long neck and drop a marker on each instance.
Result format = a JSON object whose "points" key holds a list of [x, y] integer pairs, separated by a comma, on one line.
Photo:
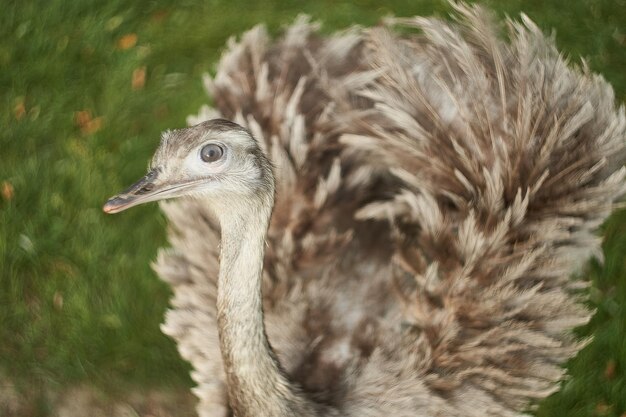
{"points": [[256, 385]]}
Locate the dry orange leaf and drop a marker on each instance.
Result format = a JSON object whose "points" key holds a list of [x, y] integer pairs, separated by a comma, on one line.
{"points": [[139, 78], [127, 41], [7, 191], [81, 118], [609, 371], [93, 126], [86, 123], [602, 408], [19, 110]]}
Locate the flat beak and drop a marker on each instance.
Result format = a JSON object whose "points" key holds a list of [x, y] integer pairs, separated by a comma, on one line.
{"points": [[140, 192]]}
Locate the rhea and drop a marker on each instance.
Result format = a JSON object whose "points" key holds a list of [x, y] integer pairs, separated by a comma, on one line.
{"points": [[389, 227]]}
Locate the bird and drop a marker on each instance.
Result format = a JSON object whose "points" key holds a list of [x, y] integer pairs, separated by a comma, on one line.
{"points": [[385, 223]]}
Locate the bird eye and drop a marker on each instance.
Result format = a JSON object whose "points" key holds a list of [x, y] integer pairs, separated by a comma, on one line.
{"points": [[211, 152]]}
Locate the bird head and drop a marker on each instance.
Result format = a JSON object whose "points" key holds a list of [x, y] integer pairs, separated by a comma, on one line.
{"points": [[216, 159]]}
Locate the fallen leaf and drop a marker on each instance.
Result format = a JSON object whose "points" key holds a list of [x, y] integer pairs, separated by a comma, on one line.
{"points": [[603, 408], [621, 39], [93, 126], [19, 110], [88, 124], [609, 370], [7, 191], [143, 50], [127, 41], [159, 16], [82, 118], [25, 243], [34, 113], [162, 111], [111, 321], [57, 300], [63, 267], [139, 78], [113, 23]]}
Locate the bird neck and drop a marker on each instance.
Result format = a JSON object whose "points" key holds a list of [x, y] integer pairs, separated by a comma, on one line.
{"points": [[256, 384]]}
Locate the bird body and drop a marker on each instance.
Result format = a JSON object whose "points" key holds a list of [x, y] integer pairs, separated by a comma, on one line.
{"points": [[390, 225]]}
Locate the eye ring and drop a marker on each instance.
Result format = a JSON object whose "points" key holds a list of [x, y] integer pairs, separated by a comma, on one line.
{"points": [[211, 152]]}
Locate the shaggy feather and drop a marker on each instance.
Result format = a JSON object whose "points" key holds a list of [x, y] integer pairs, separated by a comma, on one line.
{"points": [[434, 193]]}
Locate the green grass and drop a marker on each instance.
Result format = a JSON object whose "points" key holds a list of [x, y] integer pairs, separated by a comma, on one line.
{"points": [[78, 301]]}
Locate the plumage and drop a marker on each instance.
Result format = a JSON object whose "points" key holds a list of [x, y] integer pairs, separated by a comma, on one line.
{"points": [[434, 191]]}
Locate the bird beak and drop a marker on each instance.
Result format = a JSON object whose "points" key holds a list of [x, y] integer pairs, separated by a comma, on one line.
{"points": [[142, 191]]}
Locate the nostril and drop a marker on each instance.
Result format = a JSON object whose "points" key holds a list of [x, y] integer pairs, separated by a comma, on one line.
{"points": [[146, 188]]}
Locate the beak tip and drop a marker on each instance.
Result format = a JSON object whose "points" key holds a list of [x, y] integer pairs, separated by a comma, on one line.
{"points": [[112, 206], [107, 209]]}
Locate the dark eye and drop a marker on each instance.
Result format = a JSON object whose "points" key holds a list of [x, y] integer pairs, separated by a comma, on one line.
{"points": [[211, 152]]}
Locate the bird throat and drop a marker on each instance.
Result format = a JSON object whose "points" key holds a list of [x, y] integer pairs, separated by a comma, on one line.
{"points": [[255, 380]]}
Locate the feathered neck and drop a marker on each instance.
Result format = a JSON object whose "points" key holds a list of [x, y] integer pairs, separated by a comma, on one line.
{"points": [[257, 385]]}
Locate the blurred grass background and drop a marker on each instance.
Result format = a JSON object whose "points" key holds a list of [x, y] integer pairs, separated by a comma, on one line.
{"points": [[85, 88]]}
